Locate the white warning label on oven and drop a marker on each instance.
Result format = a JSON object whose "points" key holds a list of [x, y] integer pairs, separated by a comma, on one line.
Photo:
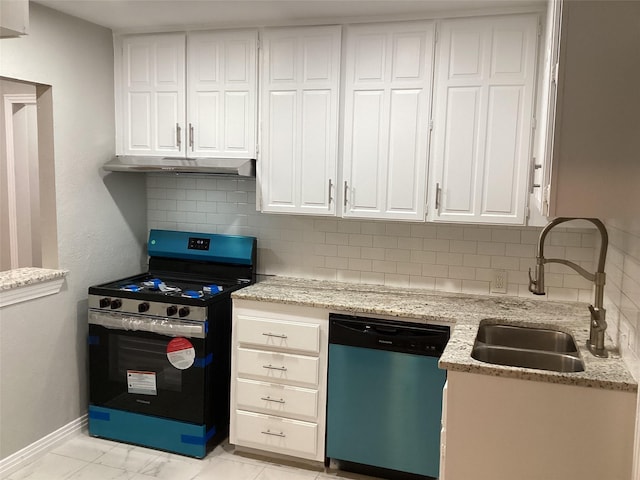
{"points": [[181, 353], [143, 383]]}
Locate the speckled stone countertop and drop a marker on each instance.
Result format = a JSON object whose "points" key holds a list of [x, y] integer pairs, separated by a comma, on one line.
{"points": [[21, 277], [464, 313]]}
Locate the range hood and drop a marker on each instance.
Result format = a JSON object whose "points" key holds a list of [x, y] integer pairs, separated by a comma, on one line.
{"points": [[238, 167]]}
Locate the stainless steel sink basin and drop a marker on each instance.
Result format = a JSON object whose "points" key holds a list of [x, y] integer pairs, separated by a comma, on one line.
{"points": [[526, 337], [527, 347]]}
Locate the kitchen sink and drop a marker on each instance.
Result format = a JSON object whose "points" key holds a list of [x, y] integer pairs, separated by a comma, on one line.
{"points": [[527, 347]]}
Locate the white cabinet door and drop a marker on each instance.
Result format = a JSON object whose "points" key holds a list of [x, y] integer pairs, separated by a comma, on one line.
{"points": [[222, 90], [483, 118], [299, 119], [152, 94], [386, 120]]}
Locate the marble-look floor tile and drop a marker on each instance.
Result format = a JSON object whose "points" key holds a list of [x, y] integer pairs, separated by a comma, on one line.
{"points": [[127, 457], [95, 471], [49, 467], [84, 447], [286, 473], [173, 467], [229, 470]]}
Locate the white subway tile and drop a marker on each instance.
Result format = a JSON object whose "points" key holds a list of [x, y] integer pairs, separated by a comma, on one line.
{"points": [[359, 240], [423, 231], [463, 273], [477, 233], [398, 229], [579, 253], [385, 241], [215, 196], [383, 266], [328, 274], [410, 243], [349, 226], [450, 232], [505, 263], [397, 255], [478, 261], [372, 253], [432, 270], [448, 285], [491, 248], [372, 228], [443, 258], [206, 183], [157, 193], [519, 250], [421, 256], [372, 278], [529, 236], [463, 246], [337, 238], [324, 225], [176, 194], [475, 288], [339, 263], [425, 283], [408, 268], [226, 184], [167, 205], [394, 280], [186, 206], [506, 235], [348, 251], [326, 250], [436, 245], [349, 276]]}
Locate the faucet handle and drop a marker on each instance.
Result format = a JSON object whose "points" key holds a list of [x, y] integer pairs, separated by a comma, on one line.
{"points": [[595, 312], [533, 285]]}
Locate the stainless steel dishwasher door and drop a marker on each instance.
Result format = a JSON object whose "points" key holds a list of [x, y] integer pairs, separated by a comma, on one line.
{"points": [[385, 394]]}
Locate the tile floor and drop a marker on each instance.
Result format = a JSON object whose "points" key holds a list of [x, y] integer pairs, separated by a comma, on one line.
{"points": [[86, 458]]}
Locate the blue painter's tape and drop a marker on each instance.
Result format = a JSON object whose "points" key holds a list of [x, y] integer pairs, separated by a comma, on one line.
{"points": [[94, 340], [206, 327], [99, 415], [194, 440], [203, 362]]}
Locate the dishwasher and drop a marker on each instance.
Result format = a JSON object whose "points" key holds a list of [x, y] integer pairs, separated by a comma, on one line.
{"points": [[384, 398]]}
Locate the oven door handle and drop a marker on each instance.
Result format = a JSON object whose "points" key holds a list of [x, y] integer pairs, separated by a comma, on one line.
{"points": [[159, 325]]}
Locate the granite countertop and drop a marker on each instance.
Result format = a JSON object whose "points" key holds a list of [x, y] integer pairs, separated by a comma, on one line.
{"points": [[21, 277], [464, 313]]}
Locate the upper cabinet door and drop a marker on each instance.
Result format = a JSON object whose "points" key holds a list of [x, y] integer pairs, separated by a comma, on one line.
{"points": [[222, 91], [152, 95], [483, 118], [386, 120], [300, 77]]}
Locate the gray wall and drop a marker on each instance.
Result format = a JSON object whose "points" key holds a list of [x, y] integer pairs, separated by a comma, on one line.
{"points": [[101, 226]]}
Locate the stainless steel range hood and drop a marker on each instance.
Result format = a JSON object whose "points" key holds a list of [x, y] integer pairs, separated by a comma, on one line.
{"points": [[239, 167]]}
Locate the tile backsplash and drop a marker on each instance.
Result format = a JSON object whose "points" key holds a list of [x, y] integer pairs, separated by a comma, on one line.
{"points": [[442, 257], [622, 291]]}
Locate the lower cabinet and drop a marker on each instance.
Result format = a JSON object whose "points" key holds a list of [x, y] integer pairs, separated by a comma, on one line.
{"points": [[506, 429], [278, 370]]}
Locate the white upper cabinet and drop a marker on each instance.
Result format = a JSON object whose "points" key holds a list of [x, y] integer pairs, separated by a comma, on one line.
{"points": [[589, 153], [191, 96], [485, 79], [152, 94], [222, 111], [300, 75], [386, 120]]}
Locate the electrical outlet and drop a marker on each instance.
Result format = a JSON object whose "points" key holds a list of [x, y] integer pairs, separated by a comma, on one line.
{"points": [[499, 283]]}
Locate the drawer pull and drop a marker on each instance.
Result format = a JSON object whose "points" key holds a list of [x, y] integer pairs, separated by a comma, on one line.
{"points": [[277, 335], [271, 367], [269, 399], [269, 432]]}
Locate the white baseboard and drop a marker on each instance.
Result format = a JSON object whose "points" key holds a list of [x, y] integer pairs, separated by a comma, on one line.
{"points": [[37, 449]]}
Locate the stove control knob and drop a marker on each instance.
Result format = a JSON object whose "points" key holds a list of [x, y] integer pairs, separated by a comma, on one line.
{"points": [[116, 303], [105, 302], [183, 312], [172, 310], [143, 307]]}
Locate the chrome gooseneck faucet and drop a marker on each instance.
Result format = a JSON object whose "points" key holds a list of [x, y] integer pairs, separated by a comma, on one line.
{"points": [[598, 322]]}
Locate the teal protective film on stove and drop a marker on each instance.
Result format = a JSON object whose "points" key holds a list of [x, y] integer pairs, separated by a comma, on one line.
{"points": [[155, 432], [384, 409], [234, 249]]}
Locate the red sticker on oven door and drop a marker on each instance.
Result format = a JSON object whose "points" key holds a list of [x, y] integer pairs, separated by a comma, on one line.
{"points": [[181, 353]]}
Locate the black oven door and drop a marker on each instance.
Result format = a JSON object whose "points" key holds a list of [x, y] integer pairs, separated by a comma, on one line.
{"points": [[148, 365]]}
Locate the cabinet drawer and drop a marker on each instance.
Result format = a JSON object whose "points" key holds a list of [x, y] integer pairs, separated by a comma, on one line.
{"points": [[277, 367], [291, 437], [276, 399], [278, 334]]}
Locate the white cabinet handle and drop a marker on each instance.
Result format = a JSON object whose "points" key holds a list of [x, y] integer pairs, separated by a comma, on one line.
{"points": [[345, 193], [271, 367], [277, 335], [191, 136], [330, 197], [269, 432], [178, 136], [269, 399]]}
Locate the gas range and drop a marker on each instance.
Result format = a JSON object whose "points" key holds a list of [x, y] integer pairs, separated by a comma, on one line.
{"points": [[160, 343]]}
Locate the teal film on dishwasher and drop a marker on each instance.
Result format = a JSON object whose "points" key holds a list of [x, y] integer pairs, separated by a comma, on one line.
{"points": [[405, 415], [237, 249]]}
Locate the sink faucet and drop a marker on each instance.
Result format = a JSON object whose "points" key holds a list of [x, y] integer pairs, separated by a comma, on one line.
{"points": [[598, 323]]}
